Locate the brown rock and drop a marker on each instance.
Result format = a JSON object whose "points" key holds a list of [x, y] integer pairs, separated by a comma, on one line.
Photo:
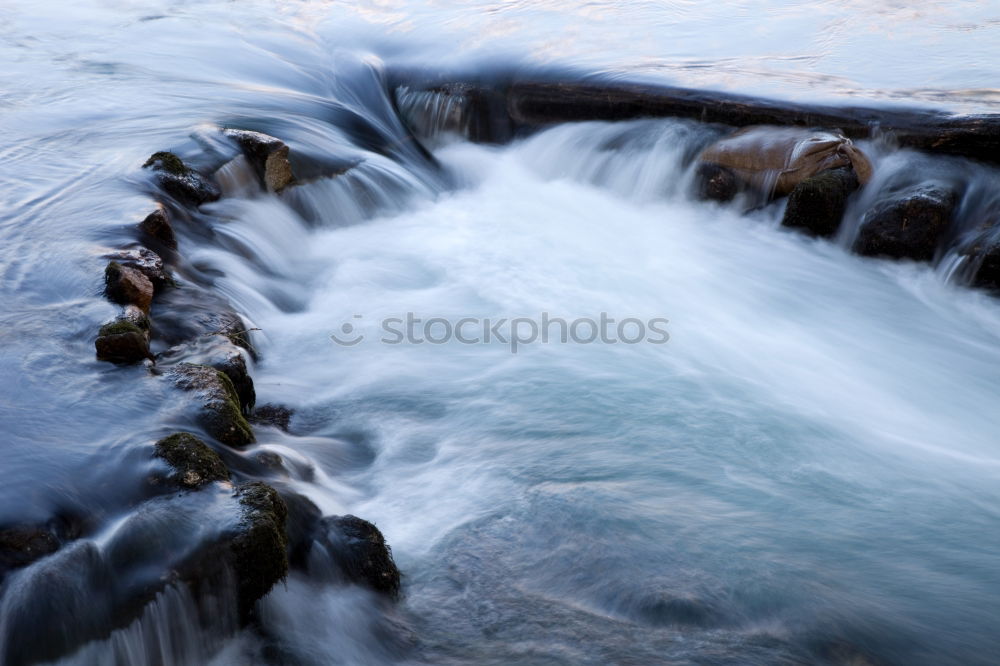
{"points": [[127, 285]]}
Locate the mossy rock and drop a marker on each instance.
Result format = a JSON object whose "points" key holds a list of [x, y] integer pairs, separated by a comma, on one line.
{"points": [[180, 181], [362, 553], [121, 341], [118, 327], [167, 161], [260, 557], [220, 413], [817, 204], [194, 463]]}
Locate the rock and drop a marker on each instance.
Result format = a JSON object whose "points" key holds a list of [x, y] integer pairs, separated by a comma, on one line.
{"points": [[146, 262], [21, 545], [217, 351], [908, 225], [122, 341], [260, 556], [817, 204], [301, 527], [220, 412], [273, 415], [193, 462], [127, 285], [234, 366], [987, 273], [227, 551], [157, 227], [267, 155], [362, 554], [773, 160], [136, 317], [716, 183], [180, 181]]}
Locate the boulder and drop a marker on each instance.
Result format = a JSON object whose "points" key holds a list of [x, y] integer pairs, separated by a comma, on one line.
{"points": [[146, 262], [193, 463], [219, 412], [122, 341], [908, 225], [128, 286], [987, 272], [361, 553], [275, 416], [716, 183], [227, 550], [267, 155], [136, 317], [217, 351], [233, 365], [180, 181], [816, 205], [259, 550], [21, 545], [157, 227], [773, 160]]}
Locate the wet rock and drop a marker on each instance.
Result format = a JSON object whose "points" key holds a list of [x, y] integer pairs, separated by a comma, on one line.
{"points": [[157, 227], [273, 415], [303, 519], [907, 226], [180, 181], [260, 557], [192, 461], [817, 204], [128, 286], [137, 318], [218, 352], [21, 545], [987, 273], [234, 366], [267, 155], [220, 413], [362, 554], [716, 183], [773, 160], [146, 262], [122, 341]]}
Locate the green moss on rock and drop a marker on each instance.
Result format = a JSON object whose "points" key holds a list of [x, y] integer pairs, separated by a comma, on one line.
{"points": [[260, 557], [167, 161], [220, 414], [118, 327], [194, 462]]}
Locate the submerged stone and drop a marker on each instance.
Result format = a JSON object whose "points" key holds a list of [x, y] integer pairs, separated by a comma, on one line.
{"points": [[127, 286], [23, 544], [193, 462], [267, 155], [908, 225], [773, 160], [277, 416], [817, 204], [220, 413], [180, 181]]}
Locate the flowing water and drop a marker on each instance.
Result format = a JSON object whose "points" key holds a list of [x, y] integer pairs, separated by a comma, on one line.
{"points": [[803, 469]]}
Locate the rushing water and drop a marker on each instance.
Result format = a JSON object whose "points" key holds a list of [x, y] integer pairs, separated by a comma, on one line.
{"points": [[805, 472]]}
